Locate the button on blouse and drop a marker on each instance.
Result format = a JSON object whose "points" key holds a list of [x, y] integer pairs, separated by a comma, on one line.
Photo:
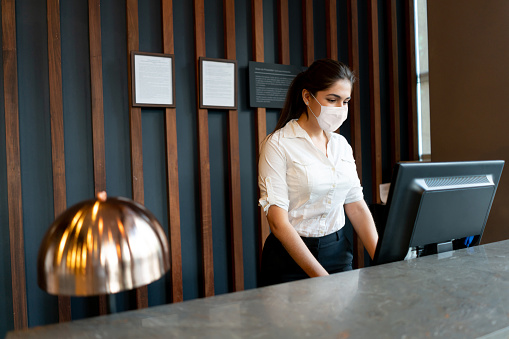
{"points": [[313, 187]]}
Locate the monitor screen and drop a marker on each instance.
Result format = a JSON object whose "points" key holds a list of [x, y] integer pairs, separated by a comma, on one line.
{"points": [[434, 203]]}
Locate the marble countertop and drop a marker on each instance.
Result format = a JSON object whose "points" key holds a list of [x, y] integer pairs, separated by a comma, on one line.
{"points": [[460, 294]]}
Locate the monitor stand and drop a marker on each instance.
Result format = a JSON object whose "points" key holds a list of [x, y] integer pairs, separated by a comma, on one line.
{"points": [[444, 247], [434, 249]]}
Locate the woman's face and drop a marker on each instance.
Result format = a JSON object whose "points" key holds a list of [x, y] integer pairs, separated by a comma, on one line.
{"points": [[337, 95]]}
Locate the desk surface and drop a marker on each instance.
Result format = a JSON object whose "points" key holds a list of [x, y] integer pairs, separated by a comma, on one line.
{"points": [[461, 294]]}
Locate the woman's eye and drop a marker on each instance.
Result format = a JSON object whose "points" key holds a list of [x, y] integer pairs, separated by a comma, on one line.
{"points": [[332, 101]]}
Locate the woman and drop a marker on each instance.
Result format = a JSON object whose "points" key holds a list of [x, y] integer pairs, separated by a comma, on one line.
{"points": [[308, 180]]}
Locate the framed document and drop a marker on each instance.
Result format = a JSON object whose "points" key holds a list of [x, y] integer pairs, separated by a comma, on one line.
{"points": [[218, 83], [153, 79]]}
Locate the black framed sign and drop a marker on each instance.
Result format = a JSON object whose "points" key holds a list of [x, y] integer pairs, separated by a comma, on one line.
{"points": [[269, 83], [153, 79], [218, 83]]}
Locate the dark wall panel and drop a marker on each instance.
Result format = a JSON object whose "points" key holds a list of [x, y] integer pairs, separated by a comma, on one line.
{"points": [[247, 146], [319, 30], [296, 38], [77, 118], [154, 168], [218, 152], [220, 200], [150, 26], [363, 78], [35, 146], [187, 147], [154, 165], [116, 124], [384, 56], [76, 101]]}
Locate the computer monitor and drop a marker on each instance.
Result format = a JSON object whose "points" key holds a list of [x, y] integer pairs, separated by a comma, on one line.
{"points": [[434, 203]]}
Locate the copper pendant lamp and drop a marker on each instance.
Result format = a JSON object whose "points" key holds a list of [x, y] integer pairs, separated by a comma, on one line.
{"points": [[102, 246]]}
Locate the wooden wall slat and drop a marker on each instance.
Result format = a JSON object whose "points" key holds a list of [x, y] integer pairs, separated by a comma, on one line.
{"points": [[283, 32], [174, 205], [170, 122], [411, 81], [234, 158], [135, 128], [14, 201], [203, 155], [354, 105], [331, 22], [57, 127], [392, 40], [260, 113], [354, 111], [96, 85], [235, 202], [308, 32], [257, 23], [374, 87], [96, 91]]}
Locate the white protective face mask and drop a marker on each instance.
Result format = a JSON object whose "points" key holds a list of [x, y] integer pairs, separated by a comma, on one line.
{"points": [[330, 118]]}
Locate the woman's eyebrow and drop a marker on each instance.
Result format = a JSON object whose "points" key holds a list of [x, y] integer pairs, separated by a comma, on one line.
{"points": [[337, 96]]}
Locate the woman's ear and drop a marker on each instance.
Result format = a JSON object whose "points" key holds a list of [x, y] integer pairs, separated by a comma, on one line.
{"points": [[305, 96]]}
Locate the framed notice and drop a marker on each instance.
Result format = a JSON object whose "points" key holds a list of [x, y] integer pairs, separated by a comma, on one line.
{"points": [[153, 79], [218, 83]]}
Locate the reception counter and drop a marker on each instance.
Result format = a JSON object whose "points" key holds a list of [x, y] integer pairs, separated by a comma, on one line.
{"points": [[460, 294]]}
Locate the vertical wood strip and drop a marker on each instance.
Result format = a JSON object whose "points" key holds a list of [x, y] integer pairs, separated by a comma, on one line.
{"points": [[412, 81], [96, 90], [308, 33], [57, 127], [331, 22], [14, 201], [96, 86], [135, 128], [283, 32], [261, 114], [354, 110], [374, 91], [174, 205], [392, 39], [170, 122], [203, 155], [233, 159], [257, 22], [355, 102]]}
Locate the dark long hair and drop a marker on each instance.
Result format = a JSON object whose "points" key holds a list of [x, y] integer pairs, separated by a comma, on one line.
{"points": [[318, 77]]}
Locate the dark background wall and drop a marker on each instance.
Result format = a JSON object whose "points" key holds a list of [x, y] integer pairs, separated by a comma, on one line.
{"points": [[35, 134], [468, 55]]}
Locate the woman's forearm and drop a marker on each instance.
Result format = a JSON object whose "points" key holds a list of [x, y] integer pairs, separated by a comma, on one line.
{"points": [[362, 222]]}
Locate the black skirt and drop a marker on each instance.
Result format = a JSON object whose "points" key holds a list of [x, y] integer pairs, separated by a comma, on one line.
{"points": [[333, 252]]}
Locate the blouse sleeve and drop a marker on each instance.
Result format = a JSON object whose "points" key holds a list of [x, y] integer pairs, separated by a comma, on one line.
{"points": [[272, 176]]}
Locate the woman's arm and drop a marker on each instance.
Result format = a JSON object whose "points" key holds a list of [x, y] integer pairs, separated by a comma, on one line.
{"points": [[363, 223], [292, 242]]}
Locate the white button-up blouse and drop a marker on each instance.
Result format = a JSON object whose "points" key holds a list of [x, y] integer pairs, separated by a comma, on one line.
{"points": [[296, 176]]}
